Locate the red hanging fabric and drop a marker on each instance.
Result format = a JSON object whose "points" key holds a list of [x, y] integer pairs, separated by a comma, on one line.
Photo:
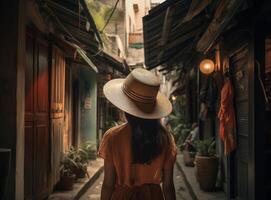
{"points": [[226, 115]]}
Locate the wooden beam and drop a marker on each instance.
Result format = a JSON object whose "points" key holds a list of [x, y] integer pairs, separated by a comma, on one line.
{"points": [[58, 8], [223, 14], [195, 8]]}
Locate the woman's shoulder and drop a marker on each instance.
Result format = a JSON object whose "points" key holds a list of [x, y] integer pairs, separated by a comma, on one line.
{"points": [[116, 130]]}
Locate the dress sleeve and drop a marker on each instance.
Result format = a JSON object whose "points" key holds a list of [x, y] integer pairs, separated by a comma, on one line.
{"points": [[171, 152], [105, 149]]}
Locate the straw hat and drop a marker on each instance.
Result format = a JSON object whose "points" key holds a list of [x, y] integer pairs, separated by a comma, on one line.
{"points": [[138, 94]]}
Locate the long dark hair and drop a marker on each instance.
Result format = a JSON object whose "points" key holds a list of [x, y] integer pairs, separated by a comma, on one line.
{"points": [[147, 139]]}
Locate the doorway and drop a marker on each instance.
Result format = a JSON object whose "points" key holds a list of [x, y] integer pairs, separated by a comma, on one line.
{"points": [[36, 117]]}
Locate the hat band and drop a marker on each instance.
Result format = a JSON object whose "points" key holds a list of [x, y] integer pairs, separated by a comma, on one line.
{"points": [[137, 97]]}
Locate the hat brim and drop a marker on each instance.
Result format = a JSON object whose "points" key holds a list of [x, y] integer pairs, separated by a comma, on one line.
{"points": [[113, 92]]}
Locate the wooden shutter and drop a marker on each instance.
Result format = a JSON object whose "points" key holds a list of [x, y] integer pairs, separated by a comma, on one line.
{"points": [[36, 118], [57, 111], [239, 64]]}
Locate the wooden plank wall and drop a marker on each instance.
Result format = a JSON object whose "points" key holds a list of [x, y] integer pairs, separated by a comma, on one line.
{"points": [[57, 111], [239, 64], [68, 126]]}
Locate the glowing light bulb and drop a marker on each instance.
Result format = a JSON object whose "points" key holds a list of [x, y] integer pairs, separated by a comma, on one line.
{"points": [[207, 66]]}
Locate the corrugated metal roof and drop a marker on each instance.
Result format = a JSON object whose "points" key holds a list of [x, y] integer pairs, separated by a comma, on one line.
{"points": [[182, 37], [116, 62]]}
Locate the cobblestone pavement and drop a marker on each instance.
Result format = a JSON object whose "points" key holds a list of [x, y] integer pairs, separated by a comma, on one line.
{"points": [[182, 193]]}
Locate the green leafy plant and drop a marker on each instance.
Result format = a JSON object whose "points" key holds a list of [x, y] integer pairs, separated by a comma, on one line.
{"points": [[175, 119], [89, 148], [101, 11], [67, 164], [75, 161], [183, 135], [177, 131], [206, 147], [180, 129]]}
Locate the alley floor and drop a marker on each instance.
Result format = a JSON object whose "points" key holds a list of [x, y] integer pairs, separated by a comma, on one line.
{"points": [[182, 192]]}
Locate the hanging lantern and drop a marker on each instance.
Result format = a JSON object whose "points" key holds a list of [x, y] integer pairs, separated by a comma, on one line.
{"points": [[207, 66]]}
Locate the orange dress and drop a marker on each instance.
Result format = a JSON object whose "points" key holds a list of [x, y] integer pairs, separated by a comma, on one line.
{"points": [[135, 181]]}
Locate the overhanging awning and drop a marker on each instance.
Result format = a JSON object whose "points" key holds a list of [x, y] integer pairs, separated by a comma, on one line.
{"points": [[72, 50], [72, 19], [224, 13], [172, 30], [112, 61], [83, 54]]}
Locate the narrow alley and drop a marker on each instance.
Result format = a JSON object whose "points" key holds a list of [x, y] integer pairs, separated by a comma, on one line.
{"points": [[135, 91]]}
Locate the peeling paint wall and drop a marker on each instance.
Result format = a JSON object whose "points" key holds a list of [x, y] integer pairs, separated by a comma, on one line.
{"points": [[88, 105]]}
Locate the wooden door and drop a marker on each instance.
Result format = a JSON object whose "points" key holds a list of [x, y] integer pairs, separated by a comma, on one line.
{"points": [[240, 75], [67, 136], [36, 118], [57, 111]]}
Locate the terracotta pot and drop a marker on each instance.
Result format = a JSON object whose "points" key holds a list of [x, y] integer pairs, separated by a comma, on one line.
{"points": [[66, 182], [188, 159], [206, 172]]}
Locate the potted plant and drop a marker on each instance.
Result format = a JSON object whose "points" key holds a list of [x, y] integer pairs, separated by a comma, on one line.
{"points": [[80, 161], [206, 164], [67, 177]]}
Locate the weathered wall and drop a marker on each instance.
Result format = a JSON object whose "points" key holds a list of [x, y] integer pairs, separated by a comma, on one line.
{"points": [[68, 123], [12, 39], [88, 105], [135, 10], [134, 18]]}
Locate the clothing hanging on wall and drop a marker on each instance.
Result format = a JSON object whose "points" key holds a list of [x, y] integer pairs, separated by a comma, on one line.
{"points": [[226, 115]]}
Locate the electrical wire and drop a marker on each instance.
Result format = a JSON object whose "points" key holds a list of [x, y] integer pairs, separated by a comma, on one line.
{"points": [[110, 16]]}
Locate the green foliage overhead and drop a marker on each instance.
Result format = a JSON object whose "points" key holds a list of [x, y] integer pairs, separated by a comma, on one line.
{"points": [[100, 12]]}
